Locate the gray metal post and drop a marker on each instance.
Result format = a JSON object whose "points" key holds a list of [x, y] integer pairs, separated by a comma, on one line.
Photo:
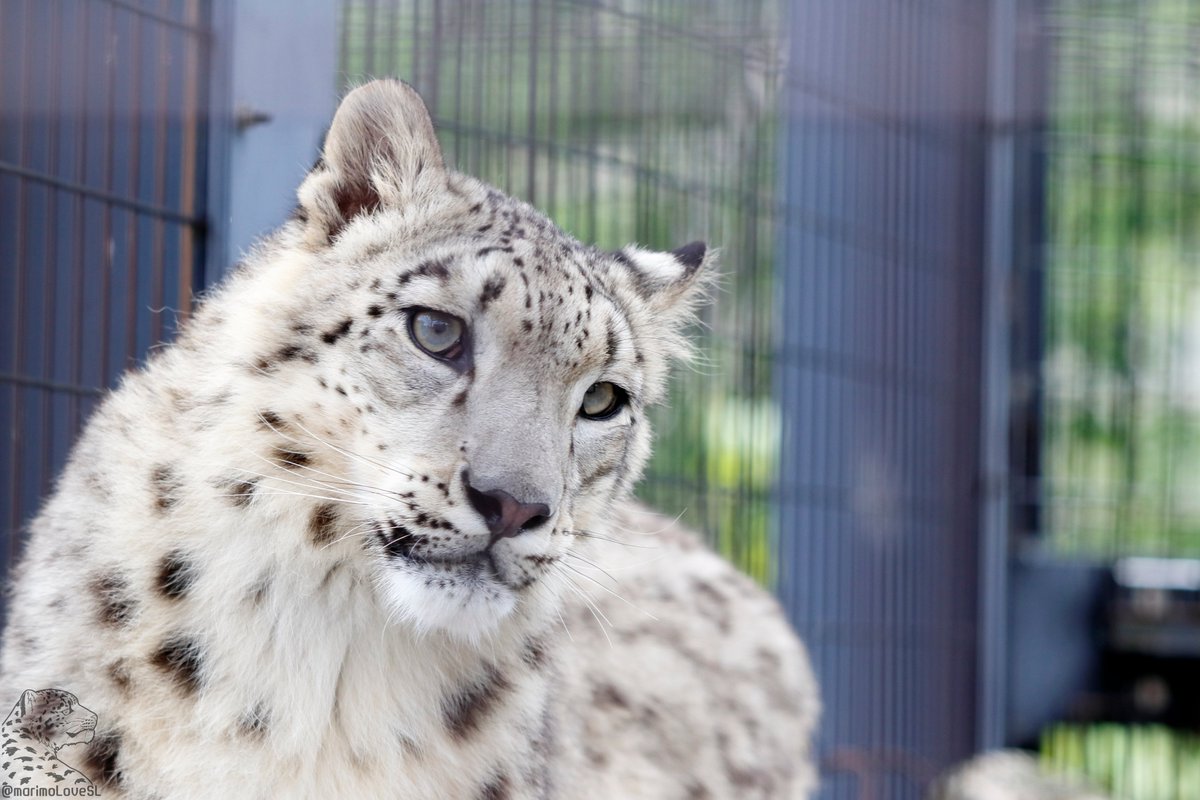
{"points": [[282, 89], [994, 463], [881, 269]]}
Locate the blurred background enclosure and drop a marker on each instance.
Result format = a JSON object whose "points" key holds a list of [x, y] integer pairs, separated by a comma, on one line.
{"points": [[949, 400]]}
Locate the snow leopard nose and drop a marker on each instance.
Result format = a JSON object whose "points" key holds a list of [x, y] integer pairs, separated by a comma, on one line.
{"points": [[504, 514]]}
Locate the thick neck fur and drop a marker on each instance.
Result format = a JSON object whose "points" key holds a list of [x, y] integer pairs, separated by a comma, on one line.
{"points": [[265, 625], [268, 546]]}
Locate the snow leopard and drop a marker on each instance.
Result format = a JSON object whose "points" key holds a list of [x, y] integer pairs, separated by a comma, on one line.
{"points": [[42, 723], [364, 528]]}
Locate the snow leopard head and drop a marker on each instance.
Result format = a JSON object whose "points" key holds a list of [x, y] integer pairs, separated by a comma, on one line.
{"points": [[474, 380]]}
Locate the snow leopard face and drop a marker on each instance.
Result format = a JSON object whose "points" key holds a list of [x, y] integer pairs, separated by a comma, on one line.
{"points": [[50, 717], [475, 379]]}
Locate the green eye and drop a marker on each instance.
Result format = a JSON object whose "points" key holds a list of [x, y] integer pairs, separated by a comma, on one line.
{"points": [[438, 334], [602, 400]]}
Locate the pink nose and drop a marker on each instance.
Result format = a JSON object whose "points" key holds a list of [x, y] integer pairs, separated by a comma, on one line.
{"points": [[504, 514]]}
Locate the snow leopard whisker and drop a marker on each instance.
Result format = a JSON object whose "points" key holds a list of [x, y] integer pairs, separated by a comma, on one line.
{"points": [[587, 601], [387, 623], [302, 485], [666, 526], [558, 611], [325, 485], [591, 535], [335, 482], [632, 605], [618, 596], [600, 617], [361, 529], [592, 565], [284, 492], [279, 490], [276, 477], [351, 454], [344, 451], [406, 535], [596, 613]]}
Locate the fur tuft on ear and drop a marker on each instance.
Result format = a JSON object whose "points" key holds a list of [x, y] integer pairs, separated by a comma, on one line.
{"points": [[380, 148], [27, 702], [672, 283], [672, 286]]}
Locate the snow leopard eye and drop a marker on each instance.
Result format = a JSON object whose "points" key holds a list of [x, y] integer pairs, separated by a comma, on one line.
{"points": [[437, 333], [602, 400]]}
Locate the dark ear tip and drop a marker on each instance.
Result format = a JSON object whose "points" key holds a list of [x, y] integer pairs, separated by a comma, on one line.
{"points": [[691, 254]]}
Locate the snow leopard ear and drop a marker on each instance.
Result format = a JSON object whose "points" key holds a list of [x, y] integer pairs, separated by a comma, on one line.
{"points": [[379, 150], [672, 283], [27, 701]]}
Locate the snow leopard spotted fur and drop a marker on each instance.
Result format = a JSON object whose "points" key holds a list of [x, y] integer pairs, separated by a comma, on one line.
{"points": [[361, 530]]}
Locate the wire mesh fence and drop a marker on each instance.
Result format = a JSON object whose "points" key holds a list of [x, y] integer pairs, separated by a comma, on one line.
{"points": [[102, 201], [1113, 468], [1119, 389]]}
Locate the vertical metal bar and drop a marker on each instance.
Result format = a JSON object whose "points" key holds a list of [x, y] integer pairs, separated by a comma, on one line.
{"points": [[370, 39], [435, 59], [132, 228], [531, 123], [19, 227], [460, 35], [510, 89], [162, 109], [407, 72], [911, 691], [575, 83], [483, 53], [215, 134], [189, 161], [346, 60], [77, 232], [416, 37], [591, 178], [994, 452], [108, 259], [11, 30], [555, 133], [898, 405], [1132, 353], [50, 265]]}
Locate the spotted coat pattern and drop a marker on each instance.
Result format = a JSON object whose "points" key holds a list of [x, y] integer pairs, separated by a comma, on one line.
{"points": [[298, 542]]}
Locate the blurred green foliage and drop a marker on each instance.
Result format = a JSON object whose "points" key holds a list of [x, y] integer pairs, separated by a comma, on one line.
{"points": [[1121, 377], [1129, 762]]}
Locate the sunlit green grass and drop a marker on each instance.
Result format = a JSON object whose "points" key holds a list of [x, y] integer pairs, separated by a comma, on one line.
{"points": [[1130, 762]]}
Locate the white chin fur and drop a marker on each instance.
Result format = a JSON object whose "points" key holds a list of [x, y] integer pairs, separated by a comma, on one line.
{"points": [[469, 611]]}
